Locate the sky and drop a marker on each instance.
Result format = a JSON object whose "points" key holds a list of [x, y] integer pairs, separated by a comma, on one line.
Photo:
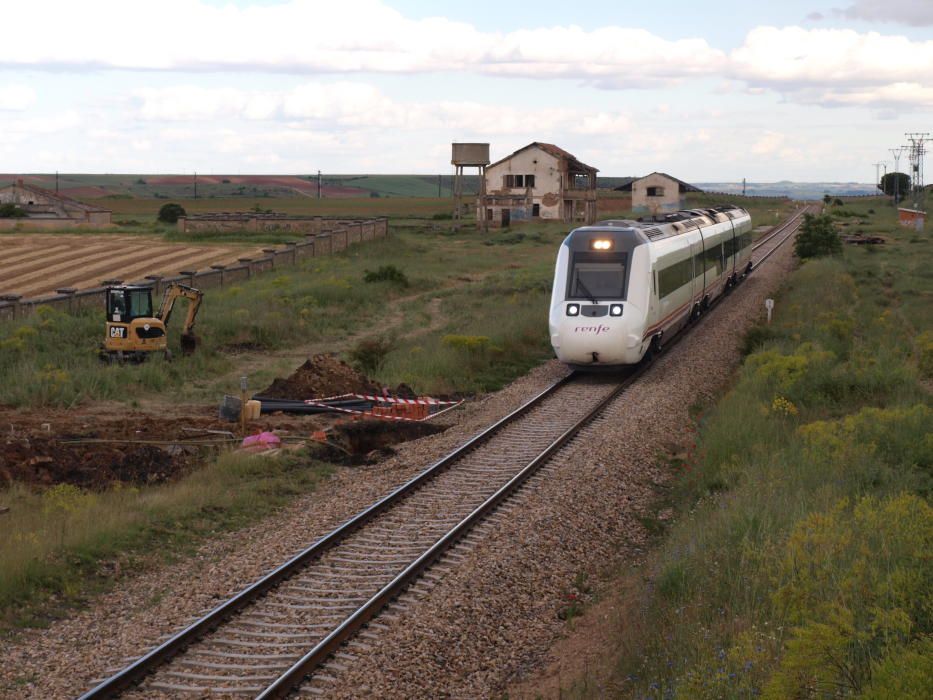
{"points": [[805, 90]]}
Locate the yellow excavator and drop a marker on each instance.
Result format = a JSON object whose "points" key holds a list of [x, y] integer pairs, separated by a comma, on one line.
{"points": [[133, 332]]}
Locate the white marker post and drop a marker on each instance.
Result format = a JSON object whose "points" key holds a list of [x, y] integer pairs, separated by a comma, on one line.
{"points": [[769, 305]]}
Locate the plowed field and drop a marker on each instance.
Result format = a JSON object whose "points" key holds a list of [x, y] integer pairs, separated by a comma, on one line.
{"points": [[37, 264]]}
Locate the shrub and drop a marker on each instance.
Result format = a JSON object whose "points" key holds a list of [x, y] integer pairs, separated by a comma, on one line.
{"points": [[386, 273], [169, 213], [11, 211], [925, 354], [817, 237], [856, 584], [369, 354]]}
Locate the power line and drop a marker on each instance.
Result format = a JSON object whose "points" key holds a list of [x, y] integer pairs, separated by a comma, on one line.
{"points": [[917, 152]]}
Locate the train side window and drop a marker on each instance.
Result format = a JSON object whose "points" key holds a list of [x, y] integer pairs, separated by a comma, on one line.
{"points": [[675, 276]]}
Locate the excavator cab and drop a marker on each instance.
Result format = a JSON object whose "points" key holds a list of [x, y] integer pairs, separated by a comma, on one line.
{"points": [[134, 331]]}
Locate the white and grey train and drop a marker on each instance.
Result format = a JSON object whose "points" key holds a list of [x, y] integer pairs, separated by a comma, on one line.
{"points": [[621, 287]]}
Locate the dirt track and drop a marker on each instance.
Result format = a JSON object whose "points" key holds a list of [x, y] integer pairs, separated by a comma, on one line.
{"points": [[36, 264]]}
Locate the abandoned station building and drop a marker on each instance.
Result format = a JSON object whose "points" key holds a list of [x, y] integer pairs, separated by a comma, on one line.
{"points": [[657, 193], [44, 208], [539, 181]]}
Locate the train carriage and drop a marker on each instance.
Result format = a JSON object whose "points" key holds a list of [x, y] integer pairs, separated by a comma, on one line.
{"points": [[621, 286]]}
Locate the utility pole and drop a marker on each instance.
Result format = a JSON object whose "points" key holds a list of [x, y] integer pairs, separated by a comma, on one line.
{"points": [[897, 153], [195, 185], [743, 186], [319, 184], [56, 182], [917, 151], [877, 174], [438, 186]]}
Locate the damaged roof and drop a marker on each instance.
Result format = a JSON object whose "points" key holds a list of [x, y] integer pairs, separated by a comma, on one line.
{"points": [[572, 162]]}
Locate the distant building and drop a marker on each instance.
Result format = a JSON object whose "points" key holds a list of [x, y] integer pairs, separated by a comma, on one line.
{"points": [[657, 193], [48, 209], [539, 181], [914, 218]]}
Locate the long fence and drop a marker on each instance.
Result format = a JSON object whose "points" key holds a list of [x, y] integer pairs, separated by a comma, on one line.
{"points": [[331, 240]]}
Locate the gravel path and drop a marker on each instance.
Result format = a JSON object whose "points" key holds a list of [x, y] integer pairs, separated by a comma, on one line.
{"points": [[490, 611]]}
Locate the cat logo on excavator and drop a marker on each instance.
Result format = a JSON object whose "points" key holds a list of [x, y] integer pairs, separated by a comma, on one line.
{"points": [[134, 332]]}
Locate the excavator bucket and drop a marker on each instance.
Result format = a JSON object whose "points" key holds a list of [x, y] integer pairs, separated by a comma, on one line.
{"points": [[189, 343]]}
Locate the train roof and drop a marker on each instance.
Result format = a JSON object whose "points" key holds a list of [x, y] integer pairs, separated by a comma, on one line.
{"points": [[675, 223]]}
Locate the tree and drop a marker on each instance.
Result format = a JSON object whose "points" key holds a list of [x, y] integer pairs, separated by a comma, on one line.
{"points": [[817, 237], [170, 212], [827, 200], [899, 182], [11, 211]]}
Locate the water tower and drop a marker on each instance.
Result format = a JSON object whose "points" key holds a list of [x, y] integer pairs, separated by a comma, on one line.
{"points": [[468, 155]]}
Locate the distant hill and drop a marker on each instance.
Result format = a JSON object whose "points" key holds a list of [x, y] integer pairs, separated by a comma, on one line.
{"points": [[794, 190], [248, 186], [132, 186]]}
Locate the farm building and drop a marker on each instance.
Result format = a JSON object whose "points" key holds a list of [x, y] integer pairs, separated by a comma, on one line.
{"points": [[539, 181], [913, 218], [47, 209], [657, 192]]}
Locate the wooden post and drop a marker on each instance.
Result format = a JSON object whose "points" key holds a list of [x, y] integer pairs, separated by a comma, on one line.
{"points": [[244, 383]]}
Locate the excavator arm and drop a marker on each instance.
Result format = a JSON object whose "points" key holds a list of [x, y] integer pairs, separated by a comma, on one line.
{"points": [[176, 291]]}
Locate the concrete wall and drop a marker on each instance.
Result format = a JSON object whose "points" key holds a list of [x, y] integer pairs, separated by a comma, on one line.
{"points": [[351, 233], [521, 200], [671, 200]]}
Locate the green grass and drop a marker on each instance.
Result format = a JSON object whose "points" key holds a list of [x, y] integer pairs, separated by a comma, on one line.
{"points": [[799, 565], [50, 359], [63, 544]]}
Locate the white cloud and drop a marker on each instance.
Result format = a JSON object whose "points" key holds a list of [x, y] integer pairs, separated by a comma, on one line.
{"points": [[347, 106], [796, 57], [16, 98], [769, 143], [304, 36], [832, 66], [918, 13]]}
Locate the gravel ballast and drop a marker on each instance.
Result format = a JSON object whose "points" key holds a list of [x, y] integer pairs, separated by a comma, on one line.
{"points": [[493, 609]]}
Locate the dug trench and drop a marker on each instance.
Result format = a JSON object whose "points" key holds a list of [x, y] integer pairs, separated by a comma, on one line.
{"points": [[105, 444]]}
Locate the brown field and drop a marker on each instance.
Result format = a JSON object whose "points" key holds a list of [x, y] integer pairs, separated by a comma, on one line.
{"points": [[395, 207], [37, 264]]}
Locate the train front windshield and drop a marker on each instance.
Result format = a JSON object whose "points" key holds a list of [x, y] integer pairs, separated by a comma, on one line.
{"points": [[597, 276]]}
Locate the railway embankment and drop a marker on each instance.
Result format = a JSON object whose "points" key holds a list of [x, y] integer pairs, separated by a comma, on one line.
{"points": [[795, 554]]}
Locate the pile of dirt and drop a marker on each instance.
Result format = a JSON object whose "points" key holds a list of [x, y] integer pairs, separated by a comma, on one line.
{"points": [[45, 461], [319, 377]]}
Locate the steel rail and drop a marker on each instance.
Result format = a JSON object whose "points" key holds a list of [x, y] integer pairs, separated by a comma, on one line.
{"points": [[792, 225], [295, 675], [778, 230], [136, 671]]}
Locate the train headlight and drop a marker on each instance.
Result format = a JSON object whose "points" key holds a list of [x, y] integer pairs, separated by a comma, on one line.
{"points": [[615, 310], [573, 309], [601, 244]]}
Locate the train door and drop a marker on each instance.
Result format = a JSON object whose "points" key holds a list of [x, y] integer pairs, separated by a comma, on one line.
{"points": [[699, 269]]}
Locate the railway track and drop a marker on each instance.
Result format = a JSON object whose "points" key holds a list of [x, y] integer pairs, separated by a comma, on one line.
{"points": [[777, 237], [268, 639]]}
